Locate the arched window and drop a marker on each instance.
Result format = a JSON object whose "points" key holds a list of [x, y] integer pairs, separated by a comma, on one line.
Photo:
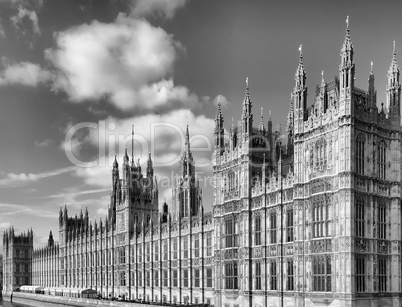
{"points": [[360, 141], [381, 159]]}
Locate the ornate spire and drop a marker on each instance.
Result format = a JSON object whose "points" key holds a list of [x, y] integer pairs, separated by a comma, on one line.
{"points": [[300, 76], [394, 68], [150, 169], [247, 101], [371, 67], [132, 144], [219, 116], [300, 68], [347, 43], [262, 126], [187, 139], [393, 89], [322, 78]]}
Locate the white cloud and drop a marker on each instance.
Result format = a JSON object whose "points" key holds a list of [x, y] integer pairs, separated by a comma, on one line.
{"points": [[13, 179], [166, 8], [24, 73], [25, 13], [128, 61]]}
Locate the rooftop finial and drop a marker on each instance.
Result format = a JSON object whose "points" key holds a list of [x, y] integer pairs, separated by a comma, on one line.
{"points": [[132, 143], [394, 53], [301, 52], [247, 82], [322, 77], [347, 24], [371, 67], [262, 126]]}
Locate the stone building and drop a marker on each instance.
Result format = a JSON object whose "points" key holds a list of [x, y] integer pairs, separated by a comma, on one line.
{"points": [[308, 217], [17, 259]]}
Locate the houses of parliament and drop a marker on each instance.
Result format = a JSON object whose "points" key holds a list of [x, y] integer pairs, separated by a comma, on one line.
{"points": [[306, 217]]}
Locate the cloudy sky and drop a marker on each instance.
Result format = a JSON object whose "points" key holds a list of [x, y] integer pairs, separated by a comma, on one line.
{"points": [[75, 75]]}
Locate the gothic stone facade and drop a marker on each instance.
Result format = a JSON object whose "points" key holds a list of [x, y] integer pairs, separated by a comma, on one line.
{"points": [[309, 219], [17, 259]]}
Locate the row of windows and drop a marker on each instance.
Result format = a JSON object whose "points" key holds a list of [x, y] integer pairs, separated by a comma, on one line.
{"points": [[148, 280], [360, 269]]}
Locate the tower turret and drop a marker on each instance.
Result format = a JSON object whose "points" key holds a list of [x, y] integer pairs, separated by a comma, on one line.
{"points": [[372, 93], [393, 89], [300, 95], [150, 168], [247, 116], [346, 73], [219, 130]]}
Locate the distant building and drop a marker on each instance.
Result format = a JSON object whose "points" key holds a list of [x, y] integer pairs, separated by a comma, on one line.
{"points": [[305, 218], [17, 259]]}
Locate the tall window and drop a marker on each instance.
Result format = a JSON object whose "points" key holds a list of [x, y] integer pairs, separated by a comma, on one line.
{"points": [[165, 249], [148, 251], [360, 154], [382, 225], [360, 274], [230, 233], [175, 278], [289, 225], [156, 278], [273, 227], [139, 255], [196, 245], [185, 247], [320, 153], [165, 278], [231, 275], [290, 279], [273, 276], [232, 181], [359, 217], [139, 278], [258, 276], [322, 274], [257, 232], [382, 274], [321, 218], [381, 160], [122, 278], [156, 251], [209, 244], [185, 278], [197, 278], [148, 277], [175, 248], [122, 255], [209, 277]]}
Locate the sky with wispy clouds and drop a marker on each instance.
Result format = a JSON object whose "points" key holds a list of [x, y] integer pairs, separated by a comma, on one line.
{"points": [[76, 75]]}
